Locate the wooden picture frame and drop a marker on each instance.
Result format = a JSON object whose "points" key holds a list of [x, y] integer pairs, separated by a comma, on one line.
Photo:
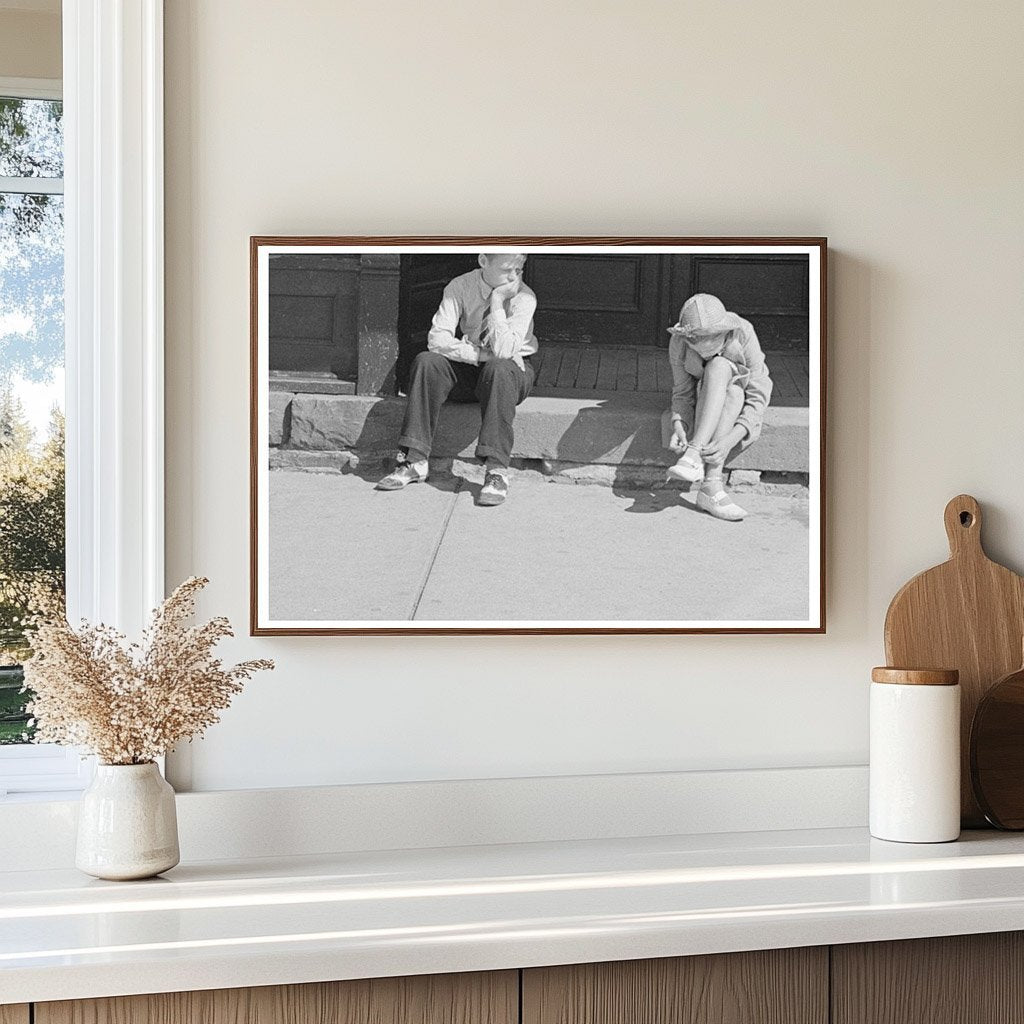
{"points": [[335, 330]]}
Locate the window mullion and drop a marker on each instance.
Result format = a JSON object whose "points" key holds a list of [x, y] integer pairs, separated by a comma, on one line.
{"points": [[32, 186], [113, 116]]}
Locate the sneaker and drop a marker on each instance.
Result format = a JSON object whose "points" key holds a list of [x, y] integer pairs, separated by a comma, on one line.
{"points": [[720, 505], [402, 475], [689, 467], [495, 489]]}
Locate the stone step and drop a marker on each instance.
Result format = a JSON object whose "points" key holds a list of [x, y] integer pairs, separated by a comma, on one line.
{"points": [[617, 428]]}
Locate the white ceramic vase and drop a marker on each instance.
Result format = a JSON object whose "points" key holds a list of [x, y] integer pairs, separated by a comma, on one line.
{"points": [[127, 825]]}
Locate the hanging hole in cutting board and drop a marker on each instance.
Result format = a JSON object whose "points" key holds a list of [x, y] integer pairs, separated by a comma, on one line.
{"points": [[966, 519]]}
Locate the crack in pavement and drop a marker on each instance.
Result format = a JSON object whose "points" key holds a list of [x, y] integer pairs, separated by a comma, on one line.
{"points": [[437, 547]]}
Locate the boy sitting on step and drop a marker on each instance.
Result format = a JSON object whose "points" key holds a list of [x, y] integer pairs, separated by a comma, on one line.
{"points": [[479, 347], [721, 389]]}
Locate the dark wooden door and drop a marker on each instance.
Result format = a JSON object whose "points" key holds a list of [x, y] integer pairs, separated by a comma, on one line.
{"points": [[421, 284], [599, 316], [583, 299], [313, 309], [770, 290], [606, 299]]}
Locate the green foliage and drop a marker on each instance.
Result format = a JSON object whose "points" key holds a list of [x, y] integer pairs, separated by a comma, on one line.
{"points": [[32, 573], [31, 347], [13, 720]]}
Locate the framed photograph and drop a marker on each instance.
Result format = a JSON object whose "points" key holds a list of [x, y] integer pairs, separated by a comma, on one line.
{"points": [[537, 435]]}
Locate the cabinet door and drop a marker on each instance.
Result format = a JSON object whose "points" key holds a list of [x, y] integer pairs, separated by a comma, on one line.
{"points": [[960, 979], [780, 986], [490, 998], [14, 1014]]}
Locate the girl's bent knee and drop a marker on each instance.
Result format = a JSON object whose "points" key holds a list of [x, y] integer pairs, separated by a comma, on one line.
{"points": [[719, 367]]}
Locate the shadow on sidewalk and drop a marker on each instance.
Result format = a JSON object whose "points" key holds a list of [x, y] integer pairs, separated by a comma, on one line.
{"points": [[619, 431], [384, 419], [605, 427]]}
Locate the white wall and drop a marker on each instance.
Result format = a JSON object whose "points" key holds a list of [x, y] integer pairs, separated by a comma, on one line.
{"points": [[30, 41], [894, 129]]}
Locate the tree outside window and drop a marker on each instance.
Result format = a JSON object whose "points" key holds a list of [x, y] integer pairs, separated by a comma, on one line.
{"points": [[32, 545]]}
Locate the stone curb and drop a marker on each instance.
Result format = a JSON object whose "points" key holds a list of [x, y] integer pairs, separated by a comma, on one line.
{"points": [[628, 477], [616, 430]]}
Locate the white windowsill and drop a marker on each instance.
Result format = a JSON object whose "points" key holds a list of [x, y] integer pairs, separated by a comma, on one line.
{"points": [[38, 832], [42, 771], [47, 797]]}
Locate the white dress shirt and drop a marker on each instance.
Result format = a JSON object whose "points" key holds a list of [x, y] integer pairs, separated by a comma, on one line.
{"points": [[466, 300]]}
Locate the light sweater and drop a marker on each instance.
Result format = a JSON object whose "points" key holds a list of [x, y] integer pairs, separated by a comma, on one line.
{"points": [[743, 350]]}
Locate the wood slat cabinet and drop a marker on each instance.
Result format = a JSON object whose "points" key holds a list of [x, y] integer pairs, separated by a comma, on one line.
{"points": [[479, 998], [964, 979], [961, 979], [967, 979], [776, 986]]}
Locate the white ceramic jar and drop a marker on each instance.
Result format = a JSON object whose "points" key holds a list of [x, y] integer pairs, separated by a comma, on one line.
{"points": [[127, 823], [915, 755]]}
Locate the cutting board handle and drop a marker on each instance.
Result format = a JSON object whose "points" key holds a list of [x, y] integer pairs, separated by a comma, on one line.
{"points": [[963, 526]]}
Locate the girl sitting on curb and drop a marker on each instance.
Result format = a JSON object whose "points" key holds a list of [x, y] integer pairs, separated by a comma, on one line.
{"points": [[720, 391]]}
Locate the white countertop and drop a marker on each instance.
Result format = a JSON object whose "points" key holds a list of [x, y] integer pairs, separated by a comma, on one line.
{"points": [[224, 924]]}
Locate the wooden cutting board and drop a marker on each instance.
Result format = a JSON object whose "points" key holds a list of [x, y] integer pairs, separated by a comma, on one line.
{"points": [[967, 614]]}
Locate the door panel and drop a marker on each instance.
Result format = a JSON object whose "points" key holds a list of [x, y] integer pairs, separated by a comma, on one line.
{"points": [[961, 979], [312, 313], [769, 290], [596, 299], [780, 986], [481, 998], [623, 299], [585, 299], [601, 283]]}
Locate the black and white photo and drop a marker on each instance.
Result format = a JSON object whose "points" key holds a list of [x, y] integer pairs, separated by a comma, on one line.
{"points": [[537, 435]]}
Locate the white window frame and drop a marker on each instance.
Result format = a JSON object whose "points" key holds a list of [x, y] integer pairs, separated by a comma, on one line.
{"points": [[114, 334], [31, 89], [37, 767]]}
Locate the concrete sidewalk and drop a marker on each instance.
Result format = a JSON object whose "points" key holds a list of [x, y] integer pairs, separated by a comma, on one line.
{"points": [[341, 551]]}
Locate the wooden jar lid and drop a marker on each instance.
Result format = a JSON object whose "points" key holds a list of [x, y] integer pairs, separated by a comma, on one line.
{"points": [[916, 676]]}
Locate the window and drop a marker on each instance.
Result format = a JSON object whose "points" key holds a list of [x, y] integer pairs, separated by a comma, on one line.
{"points": [[113, 330], [32, 534], [31, 382]]}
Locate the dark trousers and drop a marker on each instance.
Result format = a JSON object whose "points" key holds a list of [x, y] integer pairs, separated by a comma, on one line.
{"points": [[498, 385]]}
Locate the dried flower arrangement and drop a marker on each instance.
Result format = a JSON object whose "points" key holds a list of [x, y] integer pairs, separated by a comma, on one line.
{"points": [[130, 703]]}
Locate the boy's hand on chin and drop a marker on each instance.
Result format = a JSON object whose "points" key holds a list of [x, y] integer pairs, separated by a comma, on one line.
{"points": [[506, 291]]}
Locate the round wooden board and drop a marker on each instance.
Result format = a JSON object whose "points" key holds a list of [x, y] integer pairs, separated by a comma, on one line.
{"points": [[997, 752]]}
